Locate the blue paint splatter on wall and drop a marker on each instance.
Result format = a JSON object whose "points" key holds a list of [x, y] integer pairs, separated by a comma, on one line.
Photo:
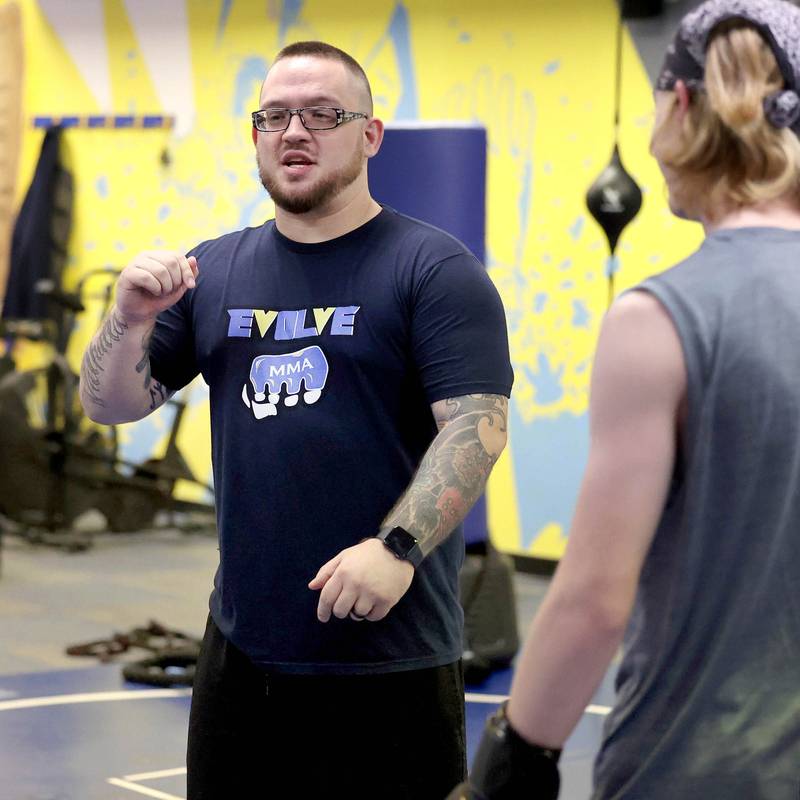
{"points": [[549, 458], [465, 37], [102, 186], [524, 204], [248, 207], [251, 71], [398, 33], [539, 302], [552, 67], [163, 212], [580, 314], [576, 229], [224, 11], [147, 434], [290, 13], [546, 382], [526, 180]]}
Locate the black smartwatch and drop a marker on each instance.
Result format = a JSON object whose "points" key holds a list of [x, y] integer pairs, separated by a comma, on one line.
{"points": [[402, 544]]}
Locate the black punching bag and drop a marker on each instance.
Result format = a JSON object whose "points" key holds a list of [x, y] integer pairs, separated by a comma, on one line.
{"points": [[614, 199]]}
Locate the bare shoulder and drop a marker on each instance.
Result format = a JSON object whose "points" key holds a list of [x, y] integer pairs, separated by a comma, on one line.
{"points": [[639, 308], [639, 347]]}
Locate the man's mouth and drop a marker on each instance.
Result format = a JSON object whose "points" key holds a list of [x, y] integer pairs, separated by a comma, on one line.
{"points": [[296, 162]]}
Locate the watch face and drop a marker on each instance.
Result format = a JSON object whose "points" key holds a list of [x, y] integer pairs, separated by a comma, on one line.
{"points": [[402, 544], [400, 541]]}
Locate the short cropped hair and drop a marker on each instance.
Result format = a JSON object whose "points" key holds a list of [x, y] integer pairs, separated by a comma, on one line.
{"points": [[324, 50], [727, 153]]}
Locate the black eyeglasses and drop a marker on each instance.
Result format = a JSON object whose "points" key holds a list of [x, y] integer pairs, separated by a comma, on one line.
{"points": [[314, 118]]}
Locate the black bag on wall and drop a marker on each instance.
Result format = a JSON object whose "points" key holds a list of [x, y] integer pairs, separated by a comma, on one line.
{"points": [[41, 233]]}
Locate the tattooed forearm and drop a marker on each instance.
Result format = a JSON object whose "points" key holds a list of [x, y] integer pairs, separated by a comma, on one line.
{"points": [[116, 384], [158, 392], [453, 473], [111, 332]]}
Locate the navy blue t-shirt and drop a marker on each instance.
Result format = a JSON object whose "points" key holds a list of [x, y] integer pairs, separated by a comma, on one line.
{"points": [[322, 361]]}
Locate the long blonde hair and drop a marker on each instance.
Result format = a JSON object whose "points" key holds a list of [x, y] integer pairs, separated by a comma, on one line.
{"points": [[727, 154]]}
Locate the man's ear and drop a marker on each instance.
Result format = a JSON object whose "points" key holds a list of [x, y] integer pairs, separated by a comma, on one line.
{"points": [[373, 133], [684, 97]]}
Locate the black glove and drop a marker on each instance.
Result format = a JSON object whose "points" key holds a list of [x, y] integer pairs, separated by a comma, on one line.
{"points": [[506, 767]]}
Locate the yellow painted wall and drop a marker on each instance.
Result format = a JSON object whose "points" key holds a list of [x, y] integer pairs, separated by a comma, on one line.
{"points": [[538, 74]]}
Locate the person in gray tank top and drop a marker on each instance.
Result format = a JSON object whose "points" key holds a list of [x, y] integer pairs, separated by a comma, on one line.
{"points": [[686, 536]]}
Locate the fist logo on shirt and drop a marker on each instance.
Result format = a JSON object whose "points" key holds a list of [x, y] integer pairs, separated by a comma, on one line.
{"points": [[304, 371]]}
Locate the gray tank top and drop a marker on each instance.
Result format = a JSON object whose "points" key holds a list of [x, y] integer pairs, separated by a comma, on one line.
{"points": [[708, 691]]}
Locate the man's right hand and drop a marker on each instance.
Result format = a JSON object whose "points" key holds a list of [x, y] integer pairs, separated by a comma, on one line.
{"points": [[152, 282]]}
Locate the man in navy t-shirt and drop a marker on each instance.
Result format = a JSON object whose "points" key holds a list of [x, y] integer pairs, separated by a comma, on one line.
{"points": [[358, 368]]}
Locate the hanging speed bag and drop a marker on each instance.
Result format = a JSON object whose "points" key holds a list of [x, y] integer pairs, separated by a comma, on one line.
{"points": [[614, 199]]}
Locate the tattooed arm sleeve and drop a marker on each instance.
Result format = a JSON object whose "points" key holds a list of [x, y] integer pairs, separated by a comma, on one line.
{"points": [[453, 473], [115, 381]]}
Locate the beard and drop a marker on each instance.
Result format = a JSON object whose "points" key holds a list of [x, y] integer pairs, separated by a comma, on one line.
{"points": [[308, 198]]}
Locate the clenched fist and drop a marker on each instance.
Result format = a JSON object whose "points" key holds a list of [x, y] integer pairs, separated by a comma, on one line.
{"points": [[152, 282]]}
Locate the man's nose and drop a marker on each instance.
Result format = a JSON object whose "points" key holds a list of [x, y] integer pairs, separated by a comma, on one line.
{"points": [[296, 129]]}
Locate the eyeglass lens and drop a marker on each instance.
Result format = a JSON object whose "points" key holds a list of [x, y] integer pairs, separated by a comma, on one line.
{"points": [[314, 118]]}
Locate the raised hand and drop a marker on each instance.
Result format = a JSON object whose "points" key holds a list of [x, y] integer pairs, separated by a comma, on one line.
{"points": [[152, 282]]}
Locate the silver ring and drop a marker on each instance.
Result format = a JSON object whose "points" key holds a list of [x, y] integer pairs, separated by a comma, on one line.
{"points": [[357, 617]]}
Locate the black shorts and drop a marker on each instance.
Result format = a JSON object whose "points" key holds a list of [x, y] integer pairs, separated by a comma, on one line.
{"points": [[393, 736]]}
